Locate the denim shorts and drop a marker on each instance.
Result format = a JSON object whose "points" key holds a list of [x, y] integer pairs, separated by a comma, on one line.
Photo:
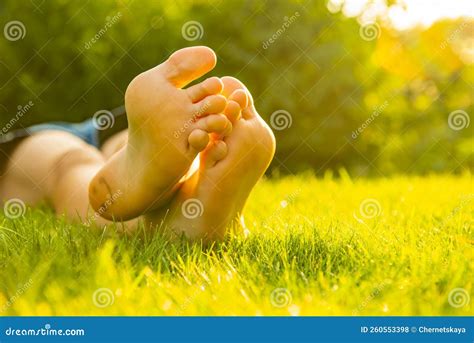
{"points": [[92, 131]]}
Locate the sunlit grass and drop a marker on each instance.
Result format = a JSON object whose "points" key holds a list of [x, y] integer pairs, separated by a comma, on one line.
{"points": [[309, 237]]}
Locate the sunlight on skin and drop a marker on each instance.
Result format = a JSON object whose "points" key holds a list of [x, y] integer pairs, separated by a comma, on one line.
{"points": [[406, 14]]}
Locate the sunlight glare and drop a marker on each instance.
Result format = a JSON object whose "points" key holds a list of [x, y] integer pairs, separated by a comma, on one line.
{"points": [[407, 13]]}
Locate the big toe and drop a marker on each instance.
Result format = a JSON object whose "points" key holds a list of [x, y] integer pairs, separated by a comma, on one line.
{"points": [[231, 84], [233, 90], [188, 64], [240, 97]]}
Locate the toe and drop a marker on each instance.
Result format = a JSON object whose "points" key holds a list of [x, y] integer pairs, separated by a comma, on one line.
{"points": [[210, 105], [188, 64], [231, 84], [215, 152], [240, 96], [198, 139], [233, 87], [232, 111], [215, 123], [210, 86]]}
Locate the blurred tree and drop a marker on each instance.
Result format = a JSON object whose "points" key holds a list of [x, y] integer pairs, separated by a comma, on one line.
{"points": [[372, 105]]}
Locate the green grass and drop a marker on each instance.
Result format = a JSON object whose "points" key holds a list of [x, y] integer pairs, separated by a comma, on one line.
{"points": [[308, 238]]}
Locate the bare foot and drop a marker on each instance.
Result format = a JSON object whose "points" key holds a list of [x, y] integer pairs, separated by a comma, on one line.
{"points": [[213, 198], [168, 127]]}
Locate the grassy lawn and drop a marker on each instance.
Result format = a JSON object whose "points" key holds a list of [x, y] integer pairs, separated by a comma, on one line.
{"points": [[394, 246]]}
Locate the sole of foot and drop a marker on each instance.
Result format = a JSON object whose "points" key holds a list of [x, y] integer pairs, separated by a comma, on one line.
{"points": [[168, 127], [212, 200]]}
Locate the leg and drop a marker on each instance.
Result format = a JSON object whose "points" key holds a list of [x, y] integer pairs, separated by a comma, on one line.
{"points": [[114, 143], [168, 127], [60, 176]]}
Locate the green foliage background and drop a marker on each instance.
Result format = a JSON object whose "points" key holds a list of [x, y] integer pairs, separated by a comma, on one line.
{"points": [[319, 70]]}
